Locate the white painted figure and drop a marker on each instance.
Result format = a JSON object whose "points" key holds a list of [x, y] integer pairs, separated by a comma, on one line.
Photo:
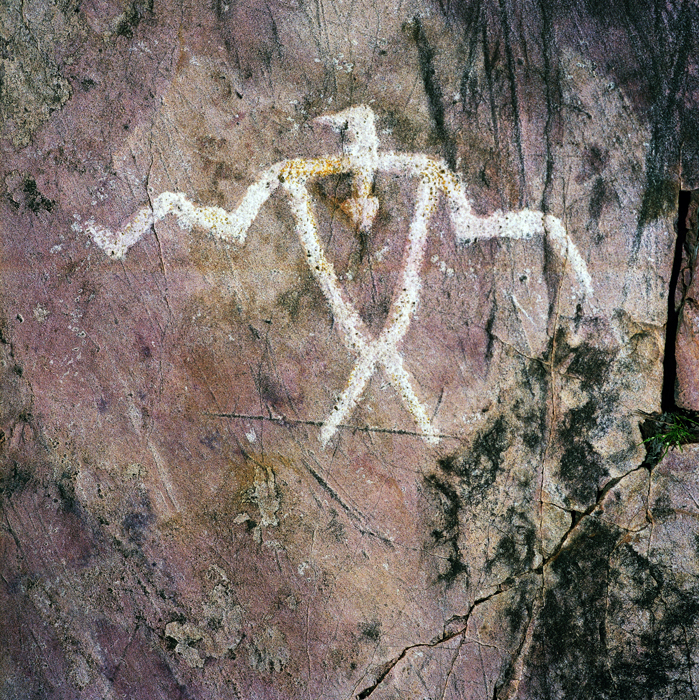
{"points": [[362, 159]]}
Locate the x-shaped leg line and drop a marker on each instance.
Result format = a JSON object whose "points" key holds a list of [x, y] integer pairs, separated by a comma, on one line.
{"points": [[371, 351]]}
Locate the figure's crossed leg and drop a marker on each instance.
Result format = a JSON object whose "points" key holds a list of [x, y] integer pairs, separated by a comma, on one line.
{"points": [[371, 352]]}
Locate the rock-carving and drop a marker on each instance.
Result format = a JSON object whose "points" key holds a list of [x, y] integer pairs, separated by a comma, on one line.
{"points": [[362, 159]]}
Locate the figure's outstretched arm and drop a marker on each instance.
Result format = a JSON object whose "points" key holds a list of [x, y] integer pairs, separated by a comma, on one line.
{"points": [[558, 237], [228, 226], [526, 224], [521, 224]]}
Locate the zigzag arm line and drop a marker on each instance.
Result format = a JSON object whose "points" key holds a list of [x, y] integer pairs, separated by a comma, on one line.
{"points": [[228, 226]]}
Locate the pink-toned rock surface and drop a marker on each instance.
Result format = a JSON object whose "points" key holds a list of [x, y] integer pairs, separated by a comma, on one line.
{"points": [[172, 525], [686, 301]]}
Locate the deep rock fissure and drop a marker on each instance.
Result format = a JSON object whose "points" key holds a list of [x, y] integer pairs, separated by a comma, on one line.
{"points": [[668, 398], [675, 425]]}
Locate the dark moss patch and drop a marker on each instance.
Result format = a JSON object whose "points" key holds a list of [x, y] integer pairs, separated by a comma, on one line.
{"points": [[656, 662], [568, 657], [662, 508], [15, 479], [532, 439], [517, 548], [446, 534], [34, 200], [537, 371], [532, 414], [581, 468], [659, 199], [614, 624], [136, 523], [518, 613], [559, 344], [591, 365], [370, 630], [643, 581], [478, 466]]}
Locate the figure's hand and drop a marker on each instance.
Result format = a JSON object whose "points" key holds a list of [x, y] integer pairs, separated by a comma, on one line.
{"points": [[116, 244]]}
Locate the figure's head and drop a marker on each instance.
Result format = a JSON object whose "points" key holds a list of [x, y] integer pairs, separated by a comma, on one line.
{"points": [[360, 145], [357, 125]]}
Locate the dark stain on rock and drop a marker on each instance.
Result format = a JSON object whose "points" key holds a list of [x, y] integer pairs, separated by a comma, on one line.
{"points": [[656, 661], [370, 630], [212, 440], [335, 528], [517, 548], [447, 533], [591, 365], [601, 195], [66, 491], [489, 332], [34, 200], [132, 16], [222, 171], [212, 147], [305, 295], [662, 508], [406, 131], [568, 657], [518, 613], [375, 312], [594, 161], [291, 300], [14, 479], [533, 415], [433, 91], [269, 389], [581, 468], [478, 465], [136, 523], [144, 349], [659, 199]]}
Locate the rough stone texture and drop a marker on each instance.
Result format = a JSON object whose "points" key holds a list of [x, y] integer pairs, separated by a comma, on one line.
{"points": [[171, 525], [687, 306]]}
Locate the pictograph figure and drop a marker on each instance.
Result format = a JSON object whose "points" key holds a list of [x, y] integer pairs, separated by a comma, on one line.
{"points": [[362, 159]]}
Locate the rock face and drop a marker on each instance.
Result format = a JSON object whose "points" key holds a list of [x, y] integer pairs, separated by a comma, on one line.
{"points": [[181, 517], [686, 305]]}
